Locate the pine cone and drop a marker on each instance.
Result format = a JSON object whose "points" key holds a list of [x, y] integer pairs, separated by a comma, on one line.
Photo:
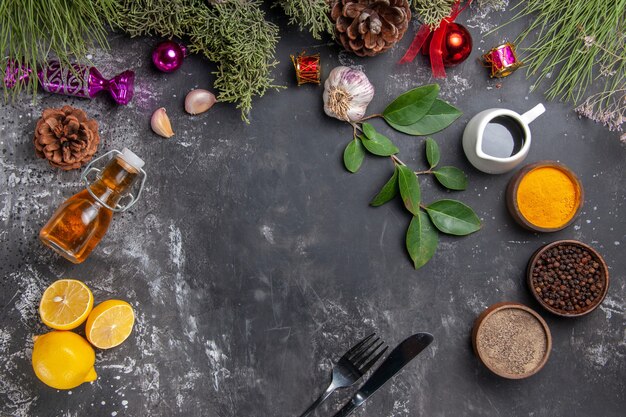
{"points": [[369, 27], [66, 137]]}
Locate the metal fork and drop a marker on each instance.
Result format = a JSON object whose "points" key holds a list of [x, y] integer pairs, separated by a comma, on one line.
{"points": [[351, 367]]}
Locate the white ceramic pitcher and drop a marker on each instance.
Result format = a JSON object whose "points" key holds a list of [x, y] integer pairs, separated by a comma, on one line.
{"points": [[473, 139]]}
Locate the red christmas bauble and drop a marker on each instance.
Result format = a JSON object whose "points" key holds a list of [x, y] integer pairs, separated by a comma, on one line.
{"points": [[456, 45]]}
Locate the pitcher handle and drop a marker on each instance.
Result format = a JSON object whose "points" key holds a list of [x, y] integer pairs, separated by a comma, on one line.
{"points": [[533, 113]]}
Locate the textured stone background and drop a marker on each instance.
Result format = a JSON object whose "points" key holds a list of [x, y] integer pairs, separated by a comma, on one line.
{"points": [[253, 259]]}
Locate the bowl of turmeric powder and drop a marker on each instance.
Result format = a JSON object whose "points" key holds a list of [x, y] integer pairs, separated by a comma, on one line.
{"points": [[545, 196]]}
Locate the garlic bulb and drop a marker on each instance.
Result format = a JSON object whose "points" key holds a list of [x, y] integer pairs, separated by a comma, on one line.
{"points": [[198, 101], [160, 123], [347, 92]]}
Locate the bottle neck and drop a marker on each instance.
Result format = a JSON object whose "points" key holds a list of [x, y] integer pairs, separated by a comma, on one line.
{"points": [[115, 181]]}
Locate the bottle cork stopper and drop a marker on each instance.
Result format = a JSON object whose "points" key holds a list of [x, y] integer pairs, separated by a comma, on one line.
{"points": [[132, 159]]}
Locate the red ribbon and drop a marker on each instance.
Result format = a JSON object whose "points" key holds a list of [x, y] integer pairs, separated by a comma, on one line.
{"points": [[436, 44]]}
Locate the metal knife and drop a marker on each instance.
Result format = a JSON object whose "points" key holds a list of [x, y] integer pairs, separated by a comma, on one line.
{"points": [[397, 359]]}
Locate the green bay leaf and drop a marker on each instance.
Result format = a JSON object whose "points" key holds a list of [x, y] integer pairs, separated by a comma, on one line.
{"points": [[432, 152], [439, 116], [451, 178], [368, 130], [379, 145], [353, 155], [453, 217], [421, 240], [388, 192], [411, 106], [409, 189]]}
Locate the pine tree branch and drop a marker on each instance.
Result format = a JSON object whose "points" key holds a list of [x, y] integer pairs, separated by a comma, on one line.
{"points": [[32, 30], [232, 33], [312, 15], [432, 12]]}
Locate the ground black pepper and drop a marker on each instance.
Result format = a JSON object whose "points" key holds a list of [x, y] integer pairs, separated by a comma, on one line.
{"points": [[512, 342], [568, 278]]}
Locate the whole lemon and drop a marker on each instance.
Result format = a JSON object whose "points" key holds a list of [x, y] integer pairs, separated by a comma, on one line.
{"points": [[63, 359]]}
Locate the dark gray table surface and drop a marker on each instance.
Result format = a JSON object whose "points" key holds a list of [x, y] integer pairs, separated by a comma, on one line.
{"points": [[253, 259]]}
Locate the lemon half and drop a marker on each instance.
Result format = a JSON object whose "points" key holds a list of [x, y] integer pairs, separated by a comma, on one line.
{"points": [[110, 323], [65, 304]]}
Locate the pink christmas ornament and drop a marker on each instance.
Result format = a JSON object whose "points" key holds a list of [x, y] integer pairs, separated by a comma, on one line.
{"points": [[168, 56], [79, 81]]}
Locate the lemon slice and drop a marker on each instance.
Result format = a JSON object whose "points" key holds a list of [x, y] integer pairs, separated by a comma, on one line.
{"points": [[65, 304], [110, 323]]}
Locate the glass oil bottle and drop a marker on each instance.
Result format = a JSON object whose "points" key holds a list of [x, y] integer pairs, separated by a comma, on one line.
{"points": [[79, 224]]}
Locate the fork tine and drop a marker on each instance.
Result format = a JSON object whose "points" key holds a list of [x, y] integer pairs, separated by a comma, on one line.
{"points": [[367, 354], [358, 345], [375, 359], [363, 349]]}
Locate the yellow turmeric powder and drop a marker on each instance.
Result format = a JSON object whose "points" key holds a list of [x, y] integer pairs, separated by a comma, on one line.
{"points": [[547, 197]]}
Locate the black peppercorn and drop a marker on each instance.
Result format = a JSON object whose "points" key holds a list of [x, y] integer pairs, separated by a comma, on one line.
{"points": [[568, 278]]}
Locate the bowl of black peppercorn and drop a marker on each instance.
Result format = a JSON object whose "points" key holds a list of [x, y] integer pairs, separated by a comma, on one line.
{"points": [[568, 278]]}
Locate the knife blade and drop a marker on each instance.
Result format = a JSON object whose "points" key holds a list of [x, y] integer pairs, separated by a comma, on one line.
{"points": [[397, 359]]}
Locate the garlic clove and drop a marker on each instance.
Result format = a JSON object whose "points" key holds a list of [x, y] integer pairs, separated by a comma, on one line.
{"points": [[198, 101], [160, 123]]}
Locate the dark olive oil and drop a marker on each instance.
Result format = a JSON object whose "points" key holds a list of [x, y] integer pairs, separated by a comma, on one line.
{"points": [[503, 137]]}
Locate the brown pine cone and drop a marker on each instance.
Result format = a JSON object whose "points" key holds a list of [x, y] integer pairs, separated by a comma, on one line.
{"points": [[66, 137], [369, 27]]}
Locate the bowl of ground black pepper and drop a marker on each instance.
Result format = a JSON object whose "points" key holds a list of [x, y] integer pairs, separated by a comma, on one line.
{"points": [[568, 278], [545, 196], [512, 340]]}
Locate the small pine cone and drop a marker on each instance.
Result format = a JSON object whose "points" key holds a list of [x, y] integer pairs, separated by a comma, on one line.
{"points": [[369, 27], [66, 137]]}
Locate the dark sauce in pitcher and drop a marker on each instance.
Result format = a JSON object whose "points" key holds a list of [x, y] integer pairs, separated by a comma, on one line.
{"points": [[503, 137]]}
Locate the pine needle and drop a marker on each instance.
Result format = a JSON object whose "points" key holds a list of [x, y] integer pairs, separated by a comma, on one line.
{"points": [[577, 44]]}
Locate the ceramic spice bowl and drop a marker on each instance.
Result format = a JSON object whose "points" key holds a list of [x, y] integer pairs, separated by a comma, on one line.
{"points": [[568, 278], [512, 340], [545, 196]]}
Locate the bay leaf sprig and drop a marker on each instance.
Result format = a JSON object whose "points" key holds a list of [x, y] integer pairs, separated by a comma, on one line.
{"points": [[448, 216], [417, 112]]}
